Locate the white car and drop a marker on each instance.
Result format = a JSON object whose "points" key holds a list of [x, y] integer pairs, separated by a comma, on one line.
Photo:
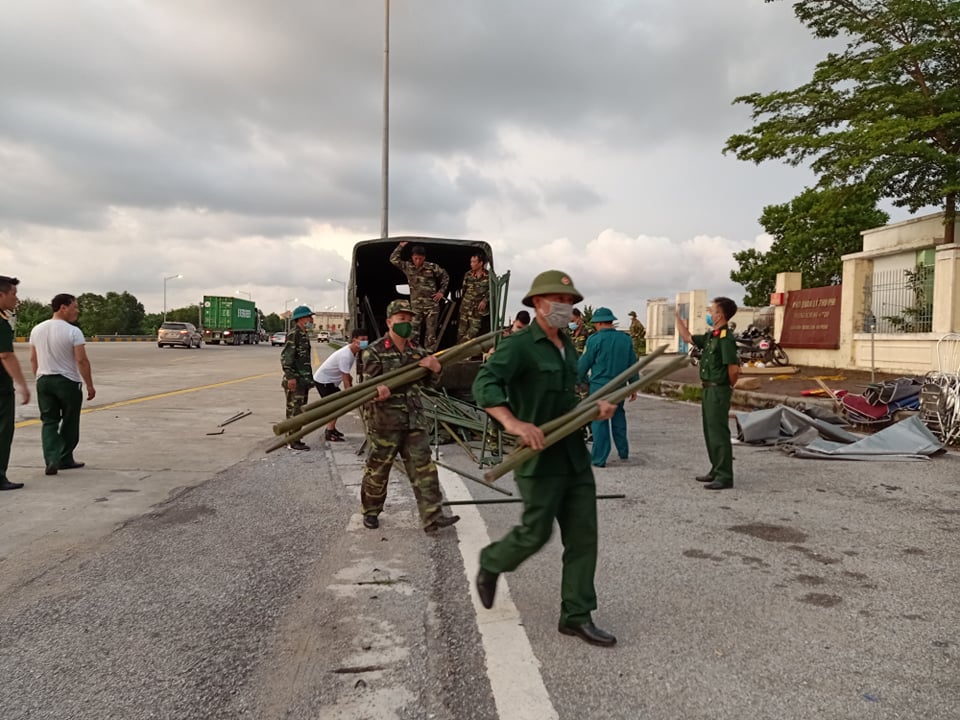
{"points": [[323, 336]]}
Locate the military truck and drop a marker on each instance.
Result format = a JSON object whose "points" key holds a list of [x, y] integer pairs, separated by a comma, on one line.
{"points": [[230, 320], [374, 282]]}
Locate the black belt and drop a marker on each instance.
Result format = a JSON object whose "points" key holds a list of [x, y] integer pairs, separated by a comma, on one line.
{"points": [[707, 383]]}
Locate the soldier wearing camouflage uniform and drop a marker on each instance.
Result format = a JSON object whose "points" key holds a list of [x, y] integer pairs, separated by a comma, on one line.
{"points": [[475, 300], [638, 334], [396, 422], [295, 360], [428, 286], [579, 332]]}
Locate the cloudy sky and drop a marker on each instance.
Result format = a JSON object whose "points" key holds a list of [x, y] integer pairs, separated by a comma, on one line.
{"points": [[237, 142]]}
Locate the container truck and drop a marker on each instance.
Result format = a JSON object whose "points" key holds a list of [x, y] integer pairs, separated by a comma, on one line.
{"points": [[230, 320]]}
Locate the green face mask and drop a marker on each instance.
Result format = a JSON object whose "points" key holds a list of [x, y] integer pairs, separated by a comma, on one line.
{"points": [[402, 329]]}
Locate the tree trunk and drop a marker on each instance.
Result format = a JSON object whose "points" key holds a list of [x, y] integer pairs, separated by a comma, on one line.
{"points": [[950, 218]]}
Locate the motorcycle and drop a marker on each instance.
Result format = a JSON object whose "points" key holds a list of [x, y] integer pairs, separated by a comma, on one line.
{"points": [[758, 346], [753, 345]]}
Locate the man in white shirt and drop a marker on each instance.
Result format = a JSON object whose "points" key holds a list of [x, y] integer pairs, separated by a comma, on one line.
{"points": [[58, 355], [335, 371]]}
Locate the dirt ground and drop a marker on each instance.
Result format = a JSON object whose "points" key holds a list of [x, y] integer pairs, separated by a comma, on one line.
{"points": [[793, 384]]}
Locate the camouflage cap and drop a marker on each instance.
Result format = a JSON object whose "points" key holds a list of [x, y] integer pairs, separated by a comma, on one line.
{"points": [[551, 282], [399, 306], [632, 312]]}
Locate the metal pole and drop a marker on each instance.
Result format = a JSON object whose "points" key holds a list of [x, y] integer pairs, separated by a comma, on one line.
{"points": [[385, 159], [497, 501]]}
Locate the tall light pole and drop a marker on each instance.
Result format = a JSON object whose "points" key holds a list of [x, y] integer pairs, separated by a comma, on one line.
{"points": [[171, 277], [345, 311], [286, 305], [385, 159]]}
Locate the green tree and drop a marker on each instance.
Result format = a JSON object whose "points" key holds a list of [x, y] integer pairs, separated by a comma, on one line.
{"points": [[810, 235], [884, 113], [272, 323], [111, 314], [30, 313]]}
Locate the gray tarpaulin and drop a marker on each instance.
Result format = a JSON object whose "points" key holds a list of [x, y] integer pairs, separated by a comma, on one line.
{"points": [[807, 437]]}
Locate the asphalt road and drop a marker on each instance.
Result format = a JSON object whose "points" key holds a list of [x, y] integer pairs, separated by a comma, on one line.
{"points": [[186, 575]]}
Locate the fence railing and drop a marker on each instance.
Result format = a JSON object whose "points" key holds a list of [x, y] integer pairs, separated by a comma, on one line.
{"points": [[901, 300]]}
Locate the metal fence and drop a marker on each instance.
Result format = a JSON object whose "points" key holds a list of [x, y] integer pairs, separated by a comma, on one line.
{"points": [[901, 301]]}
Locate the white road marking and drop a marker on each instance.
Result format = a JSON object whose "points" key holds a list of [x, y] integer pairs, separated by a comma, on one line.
{"points": [[513, 669]]}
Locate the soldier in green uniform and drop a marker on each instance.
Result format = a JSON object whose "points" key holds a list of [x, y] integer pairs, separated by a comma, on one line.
{"points": [[396, 422], [10, 376], [719, 370], [638, 334], [526, 382], [428, 286], [295, 360], [475, 299]]}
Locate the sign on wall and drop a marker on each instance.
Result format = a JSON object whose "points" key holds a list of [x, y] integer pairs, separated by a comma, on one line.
{"points": [[812, 318]]}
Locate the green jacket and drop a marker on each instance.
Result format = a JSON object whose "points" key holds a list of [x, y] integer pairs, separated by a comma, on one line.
{"points": [[423, 281], [295, 357], [475, 289], [528, 375], [403, 410], [719, 351]]}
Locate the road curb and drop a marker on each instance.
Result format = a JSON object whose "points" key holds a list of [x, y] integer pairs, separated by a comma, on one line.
{"points": [[746, 398]]}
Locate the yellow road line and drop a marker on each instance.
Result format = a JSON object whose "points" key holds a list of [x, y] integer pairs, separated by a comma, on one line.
{"points": [[158, 396]]}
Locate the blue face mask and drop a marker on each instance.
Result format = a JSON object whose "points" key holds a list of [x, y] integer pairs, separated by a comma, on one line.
{"points": [[572, 326], [364, 344], [710, 320]]}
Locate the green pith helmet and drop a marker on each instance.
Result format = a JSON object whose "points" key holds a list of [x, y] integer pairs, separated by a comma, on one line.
{"points": [[398, 306], [549, 283], [301, 311]]}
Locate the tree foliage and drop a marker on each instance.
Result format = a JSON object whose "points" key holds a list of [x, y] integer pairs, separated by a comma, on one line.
{"points": [[884, 113], [810, 235], [31, 313], [113, 313], [272, 323]]}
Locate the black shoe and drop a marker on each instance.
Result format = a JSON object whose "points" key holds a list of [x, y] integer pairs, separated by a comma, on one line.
{"points": [[441, 522], [72, 465], [371, 522], [717, 485], [7, 485], [338, 433], [588, 632], [331, 436], [487, 587], [298, 446], [704, 478], [51, 470]]}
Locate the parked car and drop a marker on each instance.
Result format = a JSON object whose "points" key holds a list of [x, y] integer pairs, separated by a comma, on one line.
{"points": [[323, 336], [278, 338], [183, 334]]}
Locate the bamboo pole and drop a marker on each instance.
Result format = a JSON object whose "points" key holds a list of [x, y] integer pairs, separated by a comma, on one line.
{"points": [[577, 418], [448, 356], [461, 473], [319, 423], [498, 501]]}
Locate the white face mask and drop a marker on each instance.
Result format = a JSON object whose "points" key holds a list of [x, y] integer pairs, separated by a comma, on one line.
{"points": [[558, 314]]}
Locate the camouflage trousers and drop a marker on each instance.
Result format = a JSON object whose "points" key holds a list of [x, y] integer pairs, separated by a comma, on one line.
{"points": [[414, 448], [468, 327], [426, 313], [296, 399]]}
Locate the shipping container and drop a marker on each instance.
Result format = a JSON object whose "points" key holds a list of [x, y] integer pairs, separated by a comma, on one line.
{"points": [[232, 320]]}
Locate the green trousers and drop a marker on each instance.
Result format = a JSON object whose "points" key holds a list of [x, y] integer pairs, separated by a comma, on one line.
{"points": [[60, 400], [715, 410], [571, 499], [7, 403], [414, 448]]}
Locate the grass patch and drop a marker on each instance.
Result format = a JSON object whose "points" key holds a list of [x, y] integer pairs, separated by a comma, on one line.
{"points": [[691, 393]]}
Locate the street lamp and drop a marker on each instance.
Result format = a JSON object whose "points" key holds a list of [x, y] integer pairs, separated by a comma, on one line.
{"points": [[171, 277], [344, 300], [244, 292], [286, 305]]}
